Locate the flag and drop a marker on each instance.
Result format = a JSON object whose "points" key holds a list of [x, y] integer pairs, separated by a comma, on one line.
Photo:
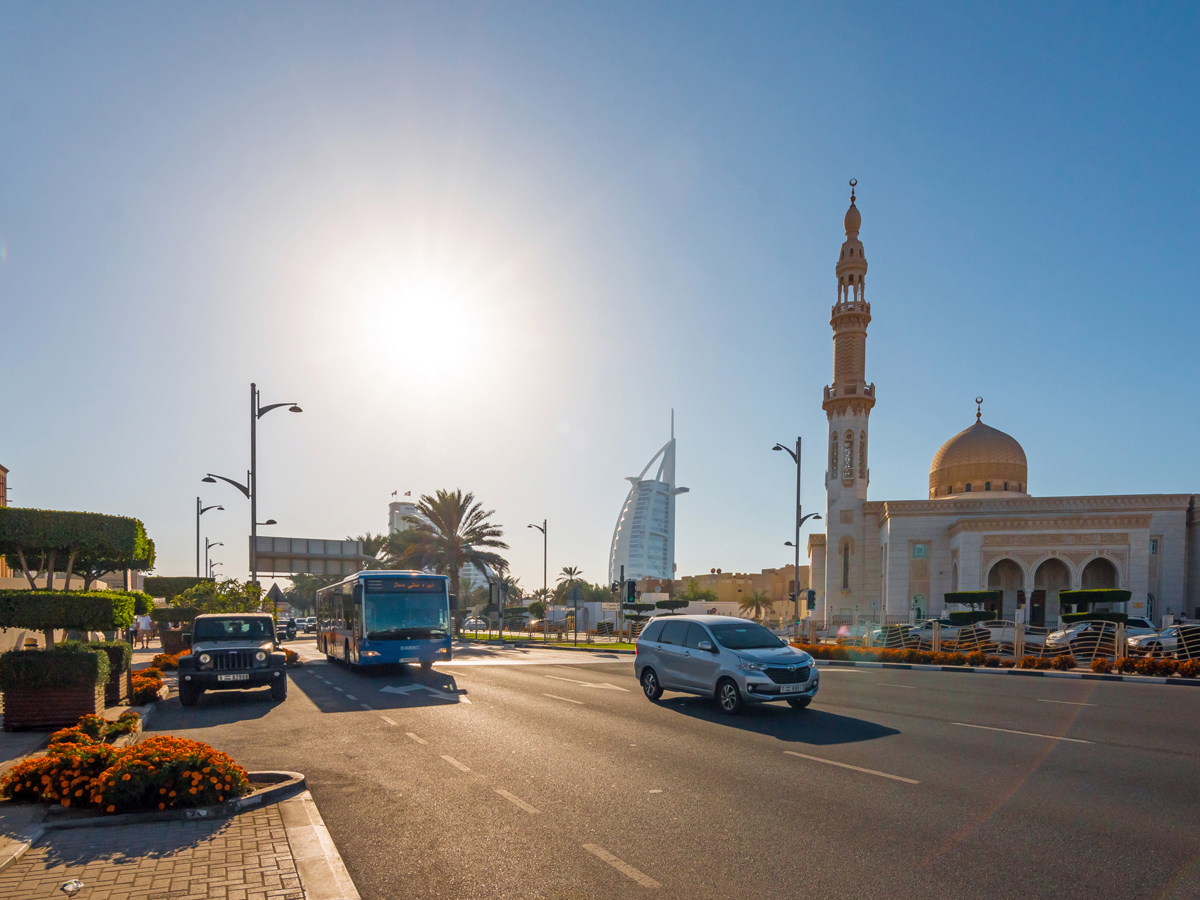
{"points": [[408, 493], [393, 493]]}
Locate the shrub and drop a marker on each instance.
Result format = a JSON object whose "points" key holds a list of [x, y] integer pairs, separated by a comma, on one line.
{"points": [[1101, 666], [992, 662], [170, 587], [1044, 663], [949, 659], [161, 772], [120, 654], [174, 614], [167, 662], [1190, 668], [1008, 663], [146, 685], [1128, 664], [1146, 666], [1064, 662], [1166, 667], [291, 657], [79, 610], [977, 658], [1029, 662], [94, 729], [68, 665]]}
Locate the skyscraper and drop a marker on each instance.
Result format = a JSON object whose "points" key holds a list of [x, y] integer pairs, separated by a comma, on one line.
{"points": [[644, 538]]}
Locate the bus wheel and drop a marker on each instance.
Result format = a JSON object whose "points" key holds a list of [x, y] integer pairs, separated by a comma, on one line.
{"points": [[426, 665], [349, 665]]}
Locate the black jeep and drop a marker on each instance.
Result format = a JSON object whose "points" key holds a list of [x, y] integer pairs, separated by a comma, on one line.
{"points": [[232, 651]]}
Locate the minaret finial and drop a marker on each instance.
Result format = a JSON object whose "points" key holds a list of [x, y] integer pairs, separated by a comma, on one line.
{"points": [[853, 185], [978, 408]]}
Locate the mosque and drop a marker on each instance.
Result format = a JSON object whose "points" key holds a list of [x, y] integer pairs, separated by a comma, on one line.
{"points": [[981, 527]]}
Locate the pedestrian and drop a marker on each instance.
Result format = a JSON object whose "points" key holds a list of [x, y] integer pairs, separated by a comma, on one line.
{"points": [[143, 631]]}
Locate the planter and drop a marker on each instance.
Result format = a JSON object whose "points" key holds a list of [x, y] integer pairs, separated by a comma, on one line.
{"points": [[51, 708], [173, 642], [117, 688]]}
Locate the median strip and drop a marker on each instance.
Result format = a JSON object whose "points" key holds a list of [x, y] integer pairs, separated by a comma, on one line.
{"points": [[454, 762], [623, 867], [516, 801], [1052, 737], [567, 699], [832, 762]]}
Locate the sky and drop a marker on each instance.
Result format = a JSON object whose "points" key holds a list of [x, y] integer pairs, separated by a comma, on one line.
{"points": [[491, 246]]}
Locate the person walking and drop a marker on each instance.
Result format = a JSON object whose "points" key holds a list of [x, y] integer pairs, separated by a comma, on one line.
{"points": [[143, 631]]}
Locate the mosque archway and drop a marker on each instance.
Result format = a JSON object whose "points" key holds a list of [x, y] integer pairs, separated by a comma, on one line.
{"points": [[1007, 576], [1051, 577], [1099, 573]]}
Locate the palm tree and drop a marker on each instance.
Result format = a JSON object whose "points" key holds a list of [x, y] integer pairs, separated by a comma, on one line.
{"points": [[570, 575], [756, 603], [372, 544], [451, 530]]}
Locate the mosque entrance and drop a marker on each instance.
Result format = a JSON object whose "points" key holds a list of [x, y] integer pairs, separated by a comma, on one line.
{"points": [[1006, 576]]}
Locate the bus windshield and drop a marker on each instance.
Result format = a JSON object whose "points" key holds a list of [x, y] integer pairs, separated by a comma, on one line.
{"points": [[404, 610]]}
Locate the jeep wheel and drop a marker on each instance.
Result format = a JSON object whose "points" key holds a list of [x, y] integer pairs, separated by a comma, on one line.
{"points": [[279, 689], [188, 694]]}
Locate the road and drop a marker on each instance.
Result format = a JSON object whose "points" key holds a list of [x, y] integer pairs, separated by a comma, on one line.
{"points": [[553, 777]]}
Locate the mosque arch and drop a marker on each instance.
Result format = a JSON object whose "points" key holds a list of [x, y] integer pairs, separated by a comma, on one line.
{"points": [[1099, 572], [1007, 576], [1051, 576]]}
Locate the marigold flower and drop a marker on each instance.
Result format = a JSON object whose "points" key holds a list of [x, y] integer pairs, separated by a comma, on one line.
{"points": [[111, 808], [125, 777]]}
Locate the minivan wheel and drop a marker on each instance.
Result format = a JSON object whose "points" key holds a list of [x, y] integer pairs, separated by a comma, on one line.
{"points": [[729, 697], [799, 702], [650, 685]]}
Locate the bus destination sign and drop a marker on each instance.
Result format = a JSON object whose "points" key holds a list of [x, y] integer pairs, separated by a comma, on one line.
{"points": [[405, 585]]}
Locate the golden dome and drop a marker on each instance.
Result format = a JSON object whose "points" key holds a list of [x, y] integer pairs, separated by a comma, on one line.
{"points": [[981, 458]]}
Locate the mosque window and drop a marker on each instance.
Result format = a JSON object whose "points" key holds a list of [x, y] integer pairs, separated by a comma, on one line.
{"points": [[862, 454], [1019, 486], [845, 567], [1006, 485], [949, 489], [987, 485], [851, 251], [848, 456], [968, 487], [833, 448], [1154, 546]]}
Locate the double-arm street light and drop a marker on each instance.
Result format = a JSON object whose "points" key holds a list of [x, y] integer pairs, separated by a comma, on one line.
{"points": [[208, 564], [250, 488], [800, 520], [200, 510], [545, 589]]}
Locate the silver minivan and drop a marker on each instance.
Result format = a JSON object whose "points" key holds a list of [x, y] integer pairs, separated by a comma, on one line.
{"points": [[734, 660]]}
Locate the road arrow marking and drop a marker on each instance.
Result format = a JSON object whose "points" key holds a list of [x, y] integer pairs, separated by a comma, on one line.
{"points": [[409, 688], [604, 686]]}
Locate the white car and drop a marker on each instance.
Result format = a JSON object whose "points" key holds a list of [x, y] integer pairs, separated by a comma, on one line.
{"points": [[1167, 642], [1093, 630]]}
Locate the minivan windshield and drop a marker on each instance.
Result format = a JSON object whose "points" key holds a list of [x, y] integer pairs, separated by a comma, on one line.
{"points": [[744, 636]]}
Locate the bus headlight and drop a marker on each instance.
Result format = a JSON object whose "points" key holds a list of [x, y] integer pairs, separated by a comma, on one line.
{"points": [[368, 653]]}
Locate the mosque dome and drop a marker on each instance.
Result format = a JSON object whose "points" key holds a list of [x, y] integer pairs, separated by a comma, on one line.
{"points": [[981, 458], [853, 219]]}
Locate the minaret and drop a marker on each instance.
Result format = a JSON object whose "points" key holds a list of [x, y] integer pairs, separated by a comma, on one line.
{"points": [[847, 406]]}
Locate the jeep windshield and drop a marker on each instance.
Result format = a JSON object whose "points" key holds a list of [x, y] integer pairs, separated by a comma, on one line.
{"points": [[233, 629]]}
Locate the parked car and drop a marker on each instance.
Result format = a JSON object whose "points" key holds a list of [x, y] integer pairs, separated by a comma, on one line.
{"points": [[232, 651], [309, 625], [1091, 631], [735, 661], [1169, 642]]}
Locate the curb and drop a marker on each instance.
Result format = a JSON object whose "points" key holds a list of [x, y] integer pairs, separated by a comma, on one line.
{"points": [[1020, 673], [322, 873]]}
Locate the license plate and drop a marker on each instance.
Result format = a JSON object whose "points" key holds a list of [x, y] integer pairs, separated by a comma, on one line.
{"points": [[790, 688], [409, 659], [242, 676]]}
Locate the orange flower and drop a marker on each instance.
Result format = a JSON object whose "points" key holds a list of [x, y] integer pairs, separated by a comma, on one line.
{"points": [[111, 808], [162, 806], [193, 790], [125, 777]]}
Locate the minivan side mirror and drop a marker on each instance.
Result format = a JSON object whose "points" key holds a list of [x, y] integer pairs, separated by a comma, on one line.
{"points": [[706, 645]]}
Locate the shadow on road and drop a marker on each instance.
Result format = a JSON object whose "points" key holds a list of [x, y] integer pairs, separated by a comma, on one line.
{"points": [[382, 687], [213, 708], [809, 726]]}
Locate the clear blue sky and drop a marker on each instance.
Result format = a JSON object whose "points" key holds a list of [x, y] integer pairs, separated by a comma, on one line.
{"points": [[491, 245]]}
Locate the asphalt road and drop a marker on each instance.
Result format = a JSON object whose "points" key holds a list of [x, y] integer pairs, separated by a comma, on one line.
{"points": [[553, 777]]}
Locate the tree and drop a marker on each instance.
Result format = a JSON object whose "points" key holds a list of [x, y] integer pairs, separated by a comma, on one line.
{"points": [[303, 593], [372, 544], [537, 609], [228, 596], [451, 530], [693, 592], [756, 603], [88, 542]]}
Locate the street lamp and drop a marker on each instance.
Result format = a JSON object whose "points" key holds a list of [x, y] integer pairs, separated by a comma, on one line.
{"points": [[800, 520], [250, 488], [208, 545], [269, 522], [545, 589], [212, 568], [200, 510]]}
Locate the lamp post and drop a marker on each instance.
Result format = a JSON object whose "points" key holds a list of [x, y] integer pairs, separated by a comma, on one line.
{"points": [[800, 520], [208, 545], [545, 590], [250, 488], [200, 510]]}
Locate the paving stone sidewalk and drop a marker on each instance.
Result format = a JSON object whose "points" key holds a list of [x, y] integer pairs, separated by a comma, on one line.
{"points": [[246, 857]]}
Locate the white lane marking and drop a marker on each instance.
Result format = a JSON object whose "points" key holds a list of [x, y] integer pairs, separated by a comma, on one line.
{"points": [[351, 697], [364, 706], [408, 688], [603, 685], [573, 659], [568, 699], [336, 688], [843, 765], [907, 687], [655, 791], [517, 800], [1065, 702], [454, 762], [415, 738], [386, 719], [1053, 737], [621, 866]]}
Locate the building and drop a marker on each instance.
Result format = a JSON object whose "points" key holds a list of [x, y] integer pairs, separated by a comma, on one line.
{"points": [[4, 572], [980, 528], [643, 543], [733, 587], [398, 513]]}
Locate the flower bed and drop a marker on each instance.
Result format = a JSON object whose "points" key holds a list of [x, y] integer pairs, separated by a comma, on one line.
{"points": [[161, 772], [146, 685]]}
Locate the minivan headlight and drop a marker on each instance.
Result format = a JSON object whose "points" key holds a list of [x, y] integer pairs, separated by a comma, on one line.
{"points": [[751, 666]]}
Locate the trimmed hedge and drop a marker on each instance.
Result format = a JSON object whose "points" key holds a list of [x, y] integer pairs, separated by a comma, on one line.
{"points": [[120, 654], [176, 614], [168, 587], [69, 664], [970, 617], [1095, 595], [79, 610], [1094, 617], [94, 537], [142, 603], [973, 598]]}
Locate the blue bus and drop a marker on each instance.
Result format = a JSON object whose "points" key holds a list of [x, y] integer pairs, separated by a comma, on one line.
{"points": [[376, 618]]}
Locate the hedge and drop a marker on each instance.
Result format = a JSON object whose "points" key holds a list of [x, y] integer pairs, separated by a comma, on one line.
{"points": [[67, 665], [973, 598], [120, 653], [167, 587], [79, 610], [1095, 595], [1094, 617], [174, 614], [98, 540], [970, 617]]}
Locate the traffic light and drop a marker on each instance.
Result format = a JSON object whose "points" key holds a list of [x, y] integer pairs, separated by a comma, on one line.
{"points": [[616, 588], [812, 598], [631, 591]]}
